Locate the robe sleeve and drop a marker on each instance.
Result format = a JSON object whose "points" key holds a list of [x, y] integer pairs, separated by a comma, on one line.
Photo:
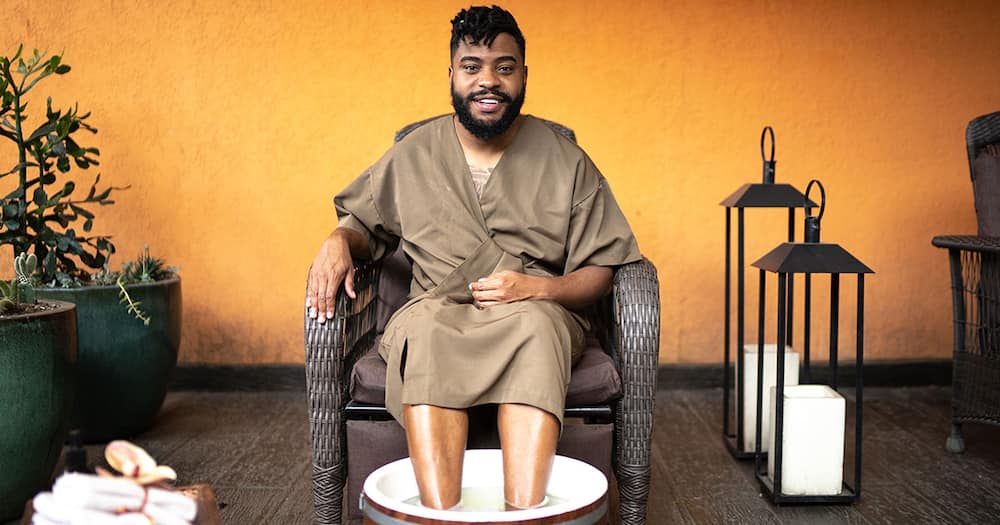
{"points": [[361, 207], [599, 234]]}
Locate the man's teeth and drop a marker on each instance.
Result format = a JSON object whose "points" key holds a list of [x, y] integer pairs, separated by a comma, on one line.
{"points": [[489, 101]]}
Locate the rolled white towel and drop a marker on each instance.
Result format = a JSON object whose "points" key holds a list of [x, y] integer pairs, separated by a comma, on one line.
{"points": [[85, 492], [173, 503], [48, 511]]}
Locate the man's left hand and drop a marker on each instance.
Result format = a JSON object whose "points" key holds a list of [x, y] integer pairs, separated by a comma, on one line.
{"points": [[575, 290], [506, 287]]}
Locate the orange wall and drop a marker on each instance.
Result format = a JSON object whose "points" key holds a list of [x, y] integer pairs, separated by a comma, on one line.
{"points": [[235, 125]]}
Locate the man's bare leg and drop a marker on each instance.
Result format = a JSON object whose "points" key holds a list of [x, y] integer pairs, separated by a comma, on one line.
{"points": [[528, 437], [436, 439]]}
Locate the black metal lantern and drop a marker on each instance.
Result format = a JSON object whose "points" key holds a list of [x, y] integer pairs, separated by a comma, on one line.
{"points": [[808, 258], [766, 194]]}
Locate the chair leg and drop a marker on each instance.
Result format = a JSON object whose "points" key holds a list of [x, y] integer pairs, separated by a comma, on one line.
{"points": [[633, 493], [955, 443], [328, 492]]}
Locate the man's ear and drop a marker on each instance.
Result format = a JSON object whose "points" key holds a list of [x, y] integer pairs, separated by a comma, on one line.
{"points": [[525, 72]]}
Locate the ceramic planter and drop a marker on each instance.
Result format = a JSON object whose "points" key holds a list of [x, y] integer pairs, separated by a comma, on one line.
{"points": [[124, 365], [38, 360]]}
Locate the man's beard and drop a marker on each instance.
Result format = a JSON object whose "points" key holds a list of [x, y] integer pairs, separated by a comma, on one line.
{"points": [[481, 129]]}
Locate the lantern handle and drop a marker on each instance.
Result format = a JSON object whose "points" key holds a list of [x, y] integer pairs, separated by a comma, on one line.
{"points": [[767, 130], [812, 223], [822, 201], [768, 163]]}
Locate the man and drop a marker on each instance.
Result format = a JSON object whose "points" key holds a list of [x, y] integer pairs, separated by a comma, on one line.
{"points": [[511, 229]]}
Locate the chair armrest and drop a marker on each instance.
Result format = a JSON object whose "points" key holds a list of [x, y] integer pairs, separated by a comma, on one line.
{"points": [[635, 346], [970, 243], [332, 348], [636, 349]]}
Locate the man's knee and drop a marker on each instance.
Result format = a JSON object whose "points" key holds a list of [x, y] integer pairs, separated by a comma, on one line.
{"points": [[555, 326]]}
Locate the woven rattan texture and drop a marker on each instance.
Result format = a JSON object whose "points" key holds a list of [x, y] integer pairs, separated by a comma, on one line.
{"points": [[976, 380], [636, 341], [974, 262], [982, 132], [332, 348], [972, 243]]}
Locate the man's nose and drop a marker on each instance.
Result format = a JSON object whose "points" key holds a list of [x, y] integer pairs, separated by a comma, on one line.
{"points": [[488, 78]]}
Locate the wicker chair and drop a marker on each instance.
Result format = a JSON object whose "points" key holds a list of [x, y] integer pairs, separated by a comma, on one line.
{"points": [[615, 435], [975, 283]]}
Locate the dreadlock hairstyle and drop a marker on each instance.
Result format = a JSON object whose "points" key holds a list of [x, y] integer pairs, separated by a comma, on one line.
{"points": [[482, 24]]}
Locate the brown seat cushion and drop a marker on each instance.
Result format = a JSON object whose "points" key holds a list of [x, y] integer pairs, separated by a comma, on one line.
{"points": [[594, 380]]}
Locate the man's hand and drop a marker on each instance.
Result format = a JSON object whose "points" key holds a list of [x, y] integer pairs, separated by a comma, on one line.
{"points": [[575, 290], [506, 287], [332, 266]]}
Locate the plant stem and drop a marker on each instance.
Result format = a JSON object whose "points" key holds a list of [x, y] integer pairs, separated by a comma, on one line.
{"points": [[19, 246]]}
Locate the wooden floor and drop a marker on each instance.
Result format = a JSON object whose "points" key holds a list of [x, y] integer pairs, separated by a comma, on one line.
{"points": [[253, 448]]}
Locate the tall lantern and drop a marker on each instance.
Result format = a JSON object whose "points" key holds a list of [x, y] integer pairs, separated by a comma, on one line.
{"points": [[805, 463], [766, 194]]}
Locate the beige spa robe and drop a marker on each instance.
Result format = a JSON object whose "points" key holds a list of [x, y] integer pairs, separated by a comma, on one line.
{"points": [[545, 210]]}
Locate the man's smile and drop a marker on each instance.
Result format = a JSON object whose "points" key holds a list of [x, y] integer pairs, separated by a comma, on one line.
{"points": [[488, 105], [489, 102]]}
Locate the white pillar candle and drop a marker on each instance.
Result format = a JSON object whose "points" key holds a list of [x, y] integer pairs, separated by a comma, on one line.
{"points": [[812, 450], [750, 389]]}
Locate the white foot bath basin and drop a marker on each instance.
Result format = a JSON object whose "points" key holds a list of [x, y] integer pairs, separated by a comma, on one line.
{"points": [[576, 494]]}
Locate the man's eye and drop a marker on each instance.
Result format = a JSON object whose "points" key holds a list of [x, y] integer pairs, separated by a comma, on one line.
{"points": [[470, 68], [505, 69]]}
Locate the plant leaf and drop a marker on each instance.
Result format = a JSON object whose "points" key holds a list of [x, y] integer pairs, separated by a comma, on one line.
{"points": [[40, 198], [82, 212], [42, 131], [27, 293]]}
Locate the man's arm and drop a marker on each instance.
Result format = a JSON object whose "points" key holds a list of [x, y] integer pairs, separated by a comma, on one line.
{"points": [[575, 290], [332, 266]]}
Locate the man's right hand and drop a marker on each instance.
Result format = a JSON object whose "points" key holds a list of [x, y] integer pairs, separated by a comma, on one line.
{"points": [[332, 266]]}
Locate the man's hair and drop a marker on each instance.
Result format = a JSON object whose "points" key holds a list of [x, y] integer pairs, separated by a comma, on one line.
{"points": [[481, 25]]}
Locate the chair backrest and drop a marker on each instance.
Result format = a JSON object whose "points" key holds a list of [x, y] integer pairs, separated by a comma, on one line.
{"points": [[982, 131], [982, 139], [394, 280]]}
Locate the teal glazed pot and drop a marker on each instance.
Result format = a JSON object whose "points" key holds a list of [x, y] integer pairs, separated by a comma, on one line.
{"points": [[38, 358], [124, 365]]}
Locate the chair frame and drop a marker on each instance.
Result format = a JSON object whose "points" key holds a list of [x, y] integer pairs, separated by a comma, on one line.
{"points": [[975, 281]]}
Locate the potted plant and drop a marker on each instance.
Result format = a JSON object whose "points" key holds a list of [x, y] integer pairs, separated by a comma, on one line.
{"points": [[124, 362], [37, 384]]}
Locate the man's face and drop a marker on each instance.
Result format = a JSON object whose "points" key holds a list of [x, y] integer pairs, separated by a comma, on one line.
{"points": [[487, 85]]}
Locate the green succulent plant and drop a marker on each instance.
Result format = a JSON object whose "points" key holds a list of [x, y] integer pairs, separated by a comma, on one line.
{"points": [[19, 290], [143, 269], [42, 214]]}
